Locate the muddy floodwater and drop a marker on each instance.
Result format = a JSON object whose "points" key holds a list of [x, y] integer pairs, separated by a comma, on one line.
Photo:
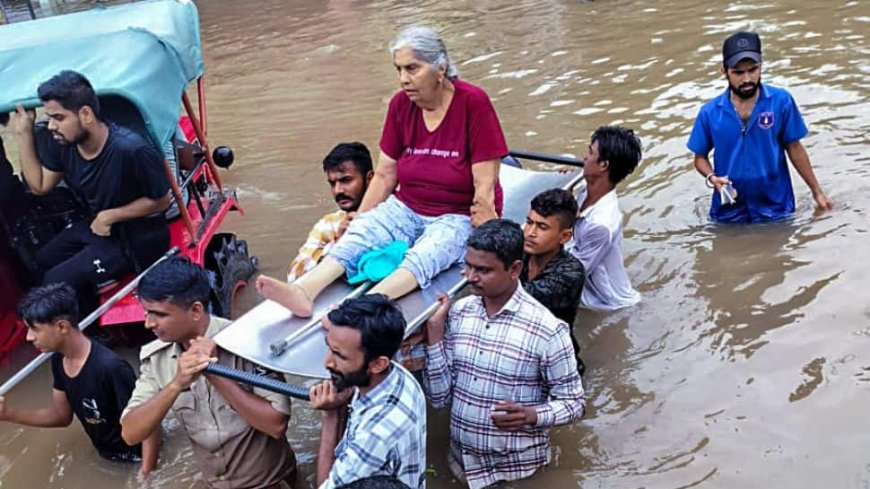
{"points": [[748, 362]]}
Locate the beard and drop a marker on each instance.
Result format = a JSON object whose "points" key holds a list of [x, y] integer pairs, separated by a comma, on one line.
{"points": [[81, 136], [357, 378], [352, 207], [746, 90]]}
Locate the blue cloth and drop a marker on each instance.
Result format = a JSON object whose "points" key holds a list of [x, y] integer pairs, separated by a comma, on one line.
{"points": [[146, 52], [752, 156], [377, 264]]}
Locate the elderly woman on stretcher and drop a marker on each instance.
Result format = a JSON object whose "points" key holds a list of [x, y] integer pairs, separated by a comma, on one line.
{"points": [[436, 178]]}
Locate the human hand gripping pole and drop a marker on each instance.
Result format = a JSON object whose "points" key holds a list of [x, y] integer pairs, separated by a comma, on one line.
{"points": [[278, 348], [260, 381], [87, 321]]}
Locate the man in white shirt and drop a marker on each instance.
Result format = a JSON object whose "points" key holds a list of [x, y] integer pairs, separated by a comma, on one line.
{"points": [[613, 154]]}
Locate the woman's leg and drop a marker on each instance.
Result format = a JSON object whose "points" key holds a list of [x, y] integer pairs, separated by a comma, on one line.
{"points": [[389, 221], [397, 284], [299, 296], [441, 245]]}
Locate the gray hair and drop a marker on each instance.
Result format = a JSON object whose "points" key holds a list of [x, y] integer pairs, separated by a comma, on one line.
{"points": [[427, 46]]}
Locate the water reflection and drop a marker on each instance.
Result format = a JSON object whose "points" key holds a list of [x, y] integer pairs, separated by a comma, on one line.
{"points": [[742, 275]]}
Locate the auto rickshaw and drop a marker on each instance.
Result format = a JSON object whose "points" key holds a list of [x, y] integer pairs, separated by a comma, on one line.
{"points": [[142, 60]]}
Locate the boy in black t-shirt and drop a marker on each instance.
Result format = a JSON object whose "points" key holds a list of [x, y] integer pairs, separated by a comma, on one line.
{"points": [[550, 274], [115, 172], [90, 380]]}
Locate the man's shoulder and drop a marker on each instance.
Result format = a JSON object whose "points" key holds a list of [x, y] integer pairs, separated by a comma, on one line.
{"points": [[408, 386], [216, 324], [565, 262], [126, 139], [606, 214], [156, 347], [532, 311], [466, 304], [714, 104], [330, 221], [397, 410], [106, 356]]}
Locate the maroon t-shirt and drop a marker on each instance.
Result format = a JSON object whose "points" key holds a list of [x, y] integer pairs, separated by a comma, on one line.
{"points": [[434, 168]]}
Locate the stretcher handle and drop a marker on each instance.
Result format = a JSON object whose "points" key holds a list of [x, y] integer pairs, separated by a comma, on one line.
{"points": [[260, 381], [278, 347], [546, 158]]}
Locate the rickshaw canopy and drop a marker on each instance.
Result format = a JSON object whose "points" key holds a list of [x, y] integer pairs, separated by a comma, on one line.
{"points": [[147, 52]]}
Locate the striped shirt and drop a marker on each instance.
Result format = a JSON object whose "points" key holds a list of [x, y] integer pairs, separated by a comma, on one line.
{"points": [[320, 239], [385, 435], [522, 353]]}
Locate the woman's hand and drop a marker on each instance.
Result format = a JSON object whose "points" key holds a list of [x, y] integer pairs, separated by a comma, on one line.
{"points": [[342, 226], [485, 174], [480, 213]]}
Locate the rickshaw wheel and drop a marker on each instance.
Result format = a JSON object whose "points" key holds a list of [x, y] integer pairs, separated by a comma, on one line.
{"points": [[227, 257]]}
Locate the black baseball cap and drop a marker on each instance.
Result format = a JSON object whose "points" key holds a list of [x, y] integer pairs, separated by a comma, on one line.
{"points": [[740, 46]]}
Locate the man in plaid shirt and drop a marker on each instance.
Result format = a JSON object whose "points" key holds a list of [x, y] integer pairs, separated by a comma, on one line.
{"points": [[503, 363], [386, 419]]}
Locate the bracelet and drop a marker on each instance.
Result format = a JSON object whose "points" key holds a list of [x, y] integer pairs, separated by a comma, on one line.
{"points": [[708, 180]]}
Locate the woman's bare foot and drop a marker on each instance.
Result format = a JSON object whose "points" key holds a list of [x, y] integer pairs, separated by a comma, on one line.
{"points": [[292, 296]]}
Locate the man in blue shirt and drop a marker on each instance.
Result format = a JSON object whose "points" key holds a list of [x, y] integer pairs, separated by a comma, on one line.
{"points": [[750, 128]]}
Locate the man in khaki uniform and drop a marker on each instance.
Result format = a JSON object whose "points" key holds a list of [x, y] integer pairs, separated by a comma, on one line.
{"points": [[237, 432]]}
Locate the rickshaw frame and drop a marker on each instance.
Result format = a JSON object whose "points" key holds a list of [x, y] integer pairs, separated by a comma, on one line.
{"points": [[165, 35]]}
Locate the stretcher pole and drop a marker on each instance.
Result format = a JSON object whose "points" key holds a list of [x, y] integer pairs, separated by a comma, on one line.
{"points": [[260, 381], [87, 321]]}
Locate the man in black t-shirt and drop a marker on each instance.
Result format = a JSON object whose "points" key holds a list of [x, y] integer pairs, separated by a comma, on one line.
{"points": [[550, 274], [90, 380], [118, 175]]}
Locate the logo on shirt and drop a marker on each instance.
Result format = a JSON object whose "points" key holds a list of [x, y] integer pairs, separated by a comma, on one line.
{"points": [[92, 411], [765, 120], [443, 153]]}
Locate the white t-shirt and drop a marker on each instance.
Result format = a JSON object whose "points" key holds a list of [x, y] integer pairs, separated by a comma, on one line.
{"points": [[597, 244]]}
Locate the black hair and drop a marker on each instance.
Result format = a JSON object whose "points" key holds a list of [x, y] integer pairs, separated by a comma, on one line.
{"points": [[620, 148], [556, 202], [49, 303], [380, 322], [376, 482], [176, 280], [355, 152], [502, 237], [4, 118], [71, 90]]}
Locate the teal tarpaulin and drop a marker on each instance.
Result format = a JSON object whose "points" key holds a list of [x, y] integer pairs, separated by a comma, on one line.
{"points": [[146, 52]]}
